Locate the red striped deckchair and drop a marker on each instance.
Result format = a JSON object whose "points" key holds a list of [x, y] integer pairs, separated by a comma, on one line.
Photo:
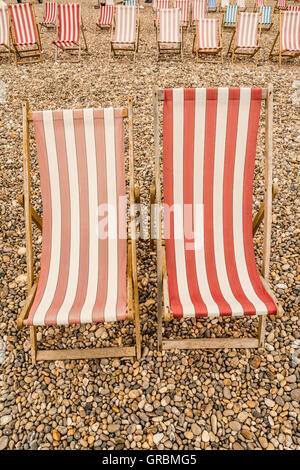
{"points": [[170, 32], [24, 33], [106, 17], [199, 10], [49, 20], [247, 36], [281, 5], [88, 269], [293, 8], [160, 5], [288, 35], [69, 29], [184, 6], [206, 264], [4, 32], [125, 31], [208, 37]]}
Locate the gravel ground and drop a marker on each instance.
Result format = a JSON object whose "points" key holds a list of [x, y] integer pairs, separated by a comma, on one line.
{"points": [[178, 400]]}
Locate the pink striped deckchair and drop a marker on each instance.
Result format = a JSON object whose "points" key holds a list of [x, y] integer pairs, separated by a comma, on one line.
{"points": [[160, 5], [170, 32], [247, 36], [208, 37], [184, 6], [199, 10], [206, 264], [106, 17], [281, 5], [49, 20], [4, 32], [88, 269], [24, 33], [288, 35], [69, 29], [125, 32]]}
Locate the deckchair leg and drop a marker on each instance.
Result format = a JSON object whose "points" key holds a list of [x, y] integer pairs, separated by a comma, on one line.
{"points": [[33, 344], [260, 213], [261, 331], [152, 202]]}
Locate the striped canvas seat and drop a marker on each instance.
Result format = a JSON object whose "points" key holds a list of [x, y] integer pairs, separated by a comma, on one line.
{"points": [[199, 10], [125, 32], [50, 14], [84, 248], [184, 6], [246, 36], [266, 15], [106, 15], [290, 31], [209, 149], [160, 5], [208, 34], [130, 3], [281, 4], [212, 4], [260, 3], [169, 26], [69, 25], [4, 27], [230, 15], [293, 8], [23, 24]]}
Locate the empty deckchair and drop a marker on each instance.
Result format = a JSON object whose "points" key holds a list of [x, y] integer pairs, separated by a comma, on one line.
{"points": [[223, 4], [169, 32], [106, 17], [212, 5], [208, 38], [69, 29], [125, 31], [281, 5], [199, 10], [160, 5], [241, 4], [266, 17], [88, 265], [206, 263], [49, 21], [184, 6], [4, 32], [246, 35], [131, 3], [230, 16], [25, 35], [288, 35]]}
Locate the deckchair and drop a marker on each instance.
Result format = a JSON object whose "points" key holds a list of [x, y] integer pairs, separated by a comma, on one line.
{"points": [[230, 16], [88, 264], [241, 4], [49, 21], [69, 29], [160, 5], [266, 17], [281, 5], [199, 10], [223, 4], [258, 3], [288, 35], [293, 8], [208, 38], [169, 32], [212, 5], [205, 262], [184, 6], [4, 32], [24, 32], [131, 3], [125, 31], [106, 17], [247, 36]]}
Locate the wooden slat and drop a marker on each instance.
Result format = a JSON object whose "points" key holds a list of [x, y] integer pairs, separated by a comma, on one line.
{"points": [[211, 343], [96, 353]]}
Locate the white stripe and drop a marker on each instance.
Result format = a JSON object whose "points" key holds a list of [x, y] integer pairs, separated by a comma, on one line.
{"points": [[112, 275], [178, 126], [86, 315], [240, 155], [199, 141], [45, 303], [63, 313]]}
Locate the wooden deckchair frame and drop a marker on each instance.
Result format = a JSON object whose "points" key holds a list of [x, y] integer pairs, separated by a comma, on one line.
{"points": [[133, 310], [76, 47], [130, 47], [281, 54], [6, 49], [164, 48], [253, 51], [206, 51], [34, 54], [264, 214]]}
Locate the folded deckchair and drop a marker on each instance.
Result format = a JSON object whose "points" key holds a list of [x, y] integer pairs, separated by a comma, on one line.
{"points": [[223, 4], [49, 21], [246, 35], [208, 38], [88, 263], [206, 264], [69, 29], [25, 35], [281, 5], [125, 31], [230, 16], [184, 6], [199, 10], [106, 17], [169, 32], [266, 17], [4, 32], [160, 5], [241, 4], [288, 35], [212, 5]]}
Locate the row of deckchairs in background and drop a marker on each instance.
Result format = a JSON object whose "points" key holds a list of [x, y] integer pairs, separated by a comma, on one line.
{"points": [[169, 24]]}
